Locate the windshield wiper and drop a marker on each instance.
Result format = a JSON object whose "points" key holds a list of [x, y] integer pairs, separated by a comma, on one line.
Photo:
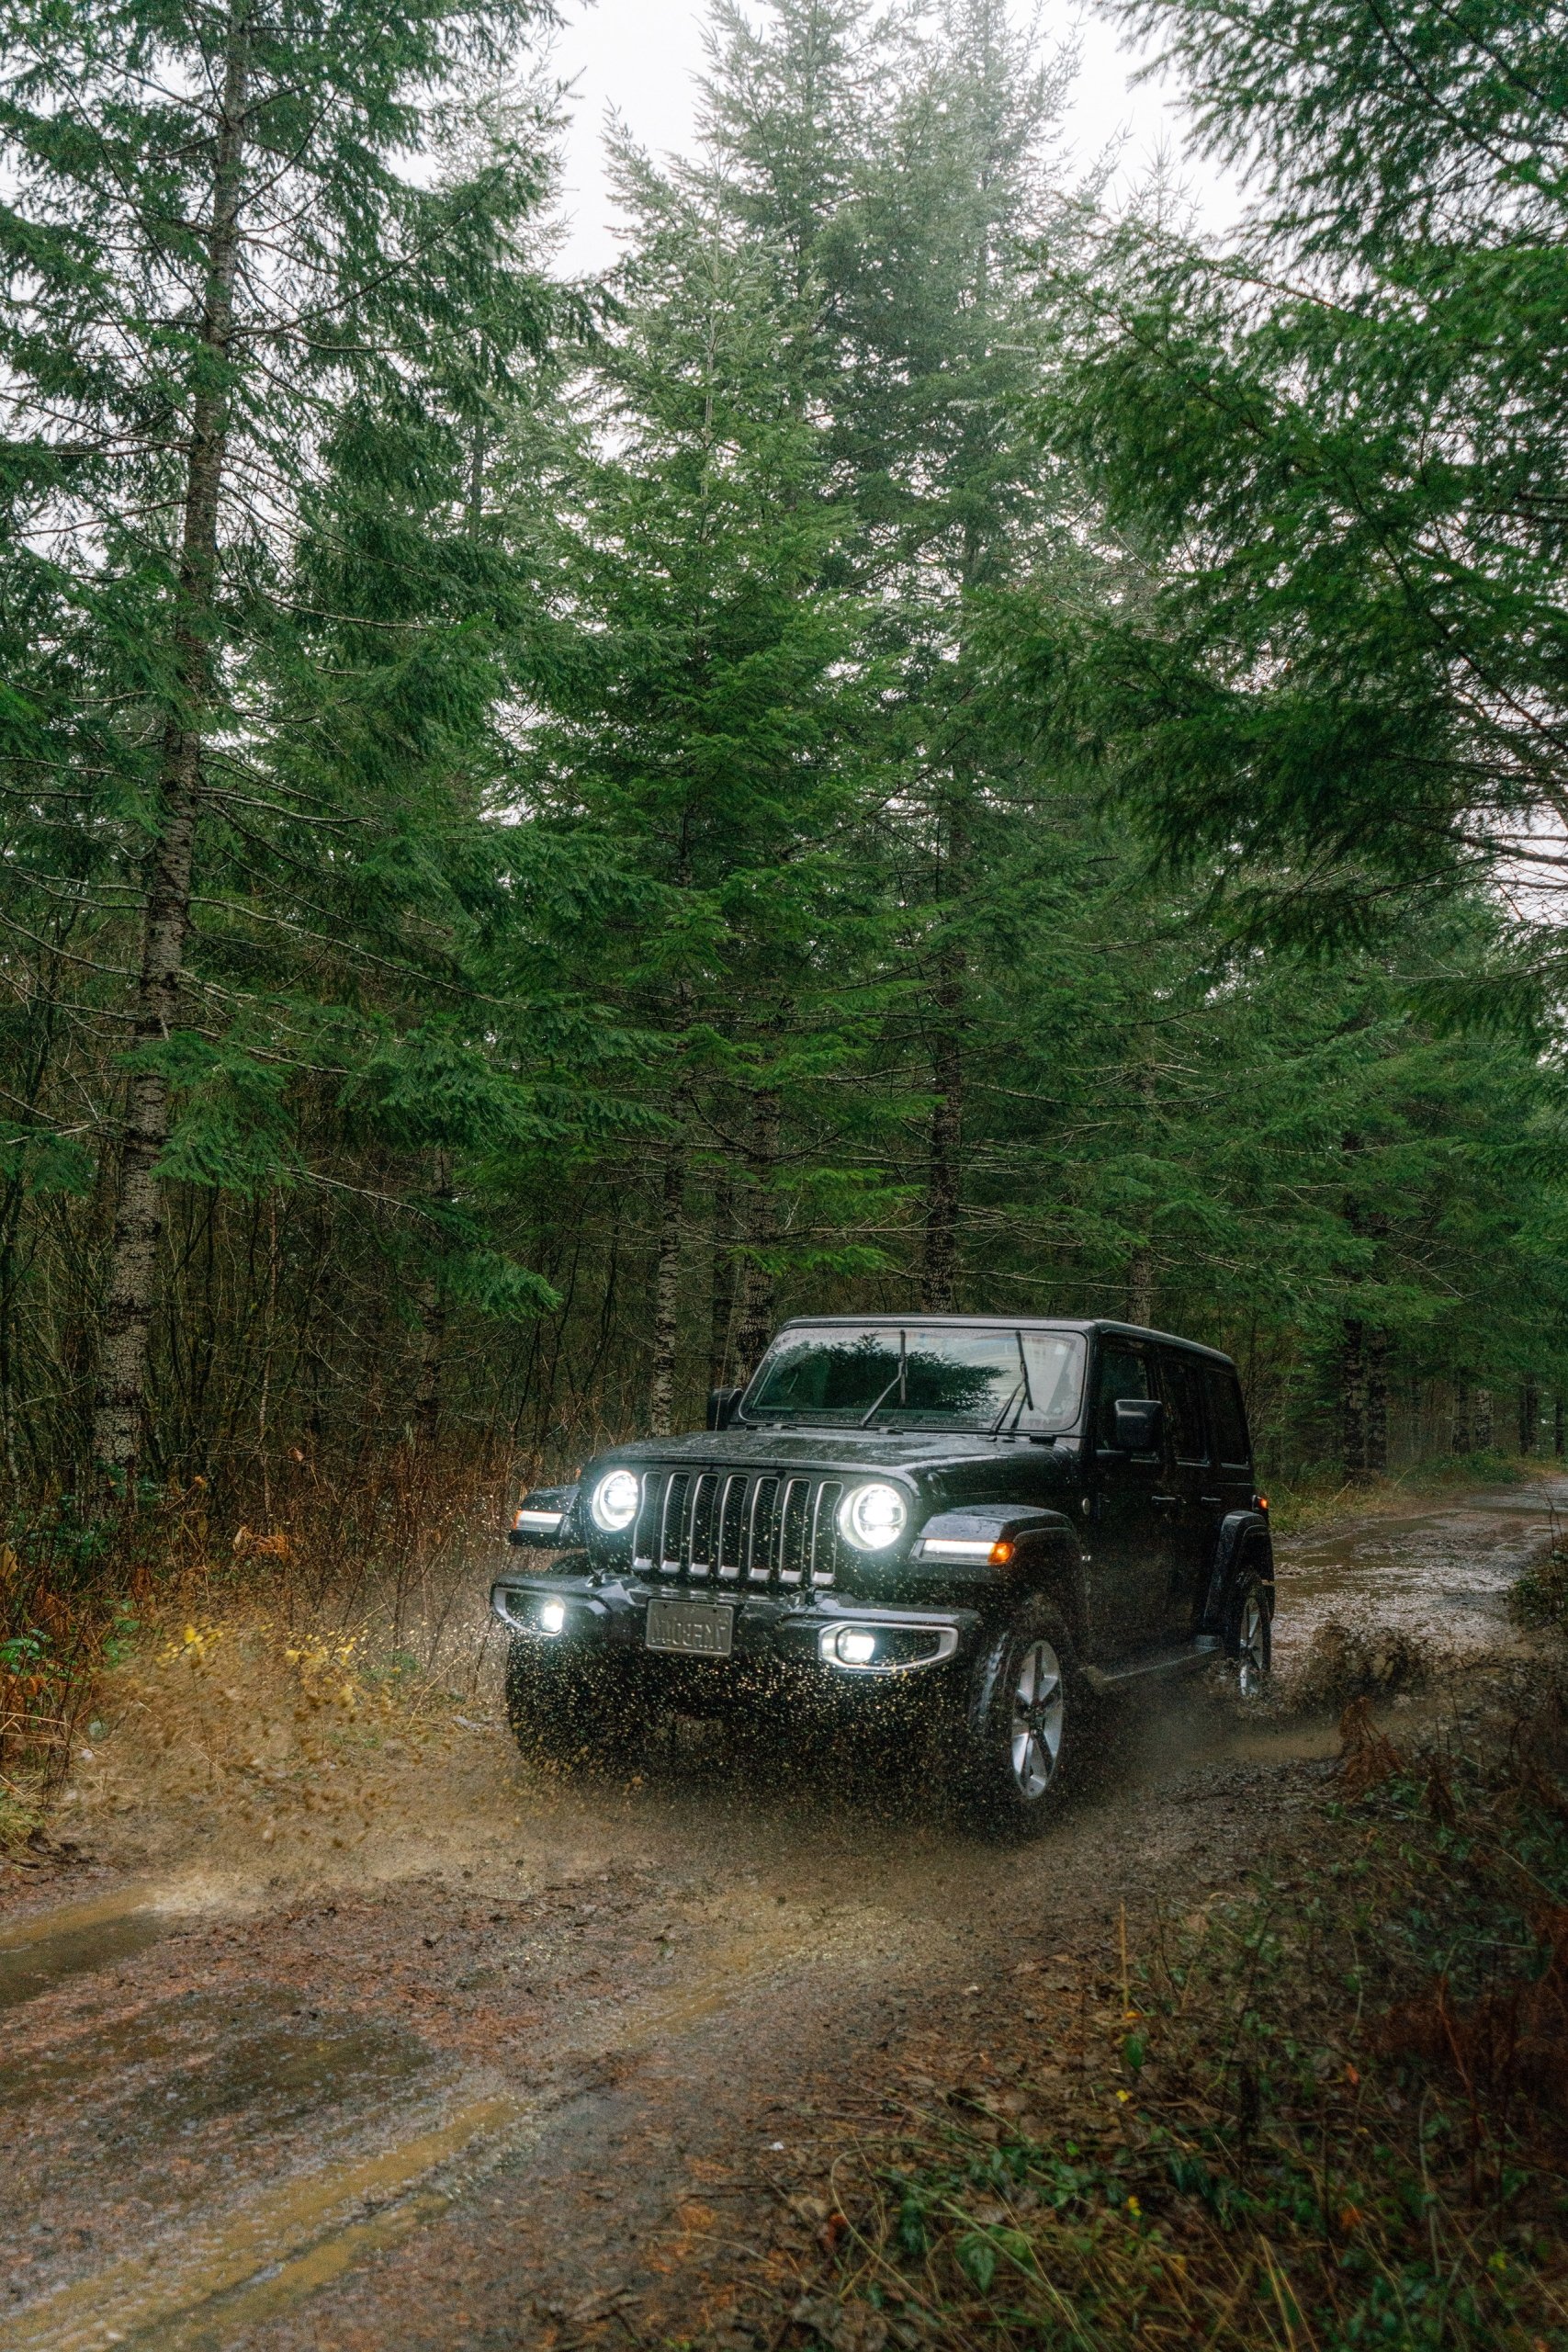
{"points": [[1021, 1382], [1019, 1389], [896, 1382]]}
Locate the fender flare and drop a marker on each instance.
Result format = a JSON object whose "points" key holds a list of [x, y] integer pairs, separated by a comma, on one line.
{"points": [[1047, 1558], [1244, 1543]]}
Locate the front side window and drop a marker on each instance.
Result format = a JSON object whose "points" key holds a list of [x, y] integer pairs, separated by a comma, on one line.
{"points": [[1124, 1372], [922, 1376]]}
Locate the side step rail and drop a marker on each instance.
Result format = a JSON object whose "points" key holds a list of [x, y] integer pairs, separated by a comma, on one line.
{"points": [[1185, 1659]]}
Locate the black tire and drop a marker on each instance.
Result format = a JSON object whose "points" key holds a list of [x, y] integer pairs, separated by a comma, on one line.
{"points": [[1249, 1635], [571, 1710], [1022, 1718]]}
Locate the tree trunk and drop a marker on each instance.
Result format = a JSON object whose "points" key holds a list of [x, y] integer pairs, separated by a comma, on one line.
{"points": [[1377, 1404], [1529, 1415], [1353, 1399], [1141, 1264], [722, 1308], [119, 1403], [757, 1285], [939, 1273], [667, 1289], [1483, 1420], [432, 1329], [1558, 1432], [1460, 1438]]}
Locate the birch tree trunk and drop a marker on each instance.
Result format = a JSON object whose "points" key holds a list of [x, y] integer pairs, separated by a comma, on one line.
{"points": [[120, 1400]]}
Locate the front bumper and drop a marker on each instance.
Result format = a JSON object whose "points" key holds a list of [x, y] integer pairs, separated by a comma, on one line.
{"points": [[817, 1634]]}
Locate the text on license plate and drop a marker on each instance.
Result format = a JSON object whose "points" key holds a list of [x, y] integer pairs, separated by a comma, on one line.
{"points": [[696, 1628]]}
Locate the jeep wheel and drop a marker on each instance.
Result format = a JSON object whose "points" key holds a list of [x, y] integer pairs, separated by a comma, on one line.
{"points": [[567, 1709], [1251, 1642], [1020, 1723]]}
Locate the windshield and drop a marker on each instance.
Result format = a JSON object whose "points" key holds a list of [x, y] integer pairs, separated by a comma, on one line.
{"points": [[921, 1377]]}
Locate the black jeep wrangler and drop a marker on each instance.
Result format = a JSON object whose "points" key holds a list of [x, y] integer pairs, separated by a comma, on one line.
{"points": [[1009, 1516]]}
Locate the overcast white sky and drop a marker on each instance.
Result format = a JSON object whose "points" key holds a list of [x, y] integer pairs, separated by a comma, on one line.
{"points": [[639, 56]]}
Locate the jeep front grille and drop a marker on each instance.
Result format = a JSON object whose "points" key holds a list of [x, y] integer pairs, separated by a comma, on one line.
{"points": [[738, 1527]]}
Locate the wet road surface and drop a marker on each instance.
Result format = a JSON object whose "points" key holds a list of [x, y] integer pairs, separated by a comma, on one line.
{"points": [[1440, 1576], [491, 2077]]}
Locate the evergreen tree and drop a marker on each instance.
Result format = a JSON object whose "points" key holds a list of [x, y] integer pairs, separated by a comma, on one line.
{"points": [[211, 244], [705, 744], [1334, 445]]}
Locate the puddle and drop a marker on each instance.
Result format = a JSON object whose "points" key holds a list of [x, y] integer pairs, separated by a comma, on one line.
{"points": [[206, 2058], [281, 2244], [1440, 1577], [29, 1969], [194, 2287]]}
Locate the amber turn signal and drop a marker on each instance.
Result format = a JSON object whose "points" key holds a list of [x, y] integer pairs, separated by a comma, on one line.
{"points": [[1261, 1500], [1001, 1553]]}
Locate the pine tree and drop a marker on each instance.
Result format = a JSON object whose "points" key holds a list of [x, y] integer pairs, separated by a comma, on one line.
{"points": [[1333, 445], [211, 242], [702, 741]]}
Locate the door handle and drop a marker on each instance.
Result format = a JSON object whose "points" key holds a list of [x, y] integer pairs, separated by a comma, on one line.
{"points": [[1164, 1498], [1210, 1499]]}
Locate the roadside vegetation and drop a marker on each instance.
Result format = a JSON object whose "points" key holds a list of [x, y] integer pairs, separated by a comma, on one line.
{"points": [[1326, 2112]]}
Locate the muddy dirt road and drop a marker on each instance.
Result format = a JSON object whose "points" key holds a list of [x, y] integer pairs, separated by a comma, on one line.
{"points": [[516, 2064]]}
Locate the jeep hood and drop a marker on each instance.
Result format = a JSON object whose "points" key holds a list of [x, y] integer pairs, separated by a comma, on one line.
{"points": [[914, 1452]]}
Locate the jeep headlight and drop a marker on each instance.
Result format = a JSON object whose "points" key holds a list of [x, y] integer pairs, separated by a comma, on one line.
{"points": [[614, 1502], [873, 1517]]}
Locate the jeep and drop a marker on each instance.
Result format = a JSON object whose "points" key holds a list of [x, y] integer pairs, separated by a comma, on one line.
{"points": [[1009, 1517]]}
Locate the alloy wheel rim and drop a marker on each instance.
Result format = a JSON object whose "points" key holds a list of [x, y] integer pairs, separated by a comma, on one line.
{"points": [[1252, 1648], [1039, 1717]]}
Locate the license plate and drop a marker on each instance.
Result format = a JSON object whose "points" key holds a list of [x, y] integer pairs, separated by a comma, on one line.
{"points": [[695, 1628]]}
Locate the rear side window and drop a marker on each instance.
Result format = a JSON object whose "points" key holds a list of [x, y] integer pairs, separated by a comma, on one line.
{"points": [[1184, 1408], [1227, 1417], [1123, 1372]]}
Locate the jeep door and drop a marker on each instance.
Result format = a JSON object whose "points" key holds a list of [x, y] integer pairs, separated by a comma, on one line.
{"points": [[1131, 1553], [1197, 1505], [1234, 1476]]}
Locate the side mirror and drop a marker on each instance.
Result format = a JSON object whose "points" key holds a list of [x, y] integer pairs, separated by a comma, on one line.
{"points": [[1139, 1423], [540, 1524], [721, 1407]]}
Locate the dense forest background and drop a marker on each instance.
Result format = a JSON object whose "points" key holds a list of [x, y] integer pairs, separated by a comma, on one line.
{"points": [[930, 743]]}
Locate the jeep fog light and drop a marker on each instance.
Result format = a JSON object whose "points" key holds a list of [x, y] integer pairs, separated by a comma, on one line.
{"points": [[855, 1649], [873, 1517], [552, 1616], [615, 1499]]}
